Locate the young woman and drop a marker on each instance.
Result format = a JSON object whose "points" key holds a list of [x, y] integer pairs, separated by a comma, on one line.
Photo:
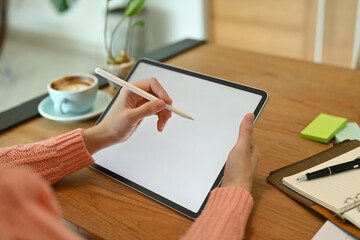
{"points": [[28, 209]]}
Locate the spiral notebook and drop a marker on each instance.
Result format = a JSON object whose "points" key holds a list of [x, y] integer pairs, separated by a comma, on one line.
{"points": [[340, 193]]}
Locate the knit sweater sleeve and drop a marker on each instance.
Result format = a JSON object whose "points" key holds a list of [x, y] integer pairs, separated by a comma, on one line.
{"points": [[28, 208], [52, 159], [224, 217]]}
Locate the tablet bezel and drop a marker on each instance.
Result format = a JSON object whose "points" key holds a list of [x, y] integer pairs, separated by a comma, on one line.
{"points": [[149, 193]]}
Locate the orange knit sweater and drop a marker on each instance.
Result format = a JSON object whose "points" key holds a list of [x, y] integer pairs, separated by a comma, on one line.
{"points": [[28, 208]]}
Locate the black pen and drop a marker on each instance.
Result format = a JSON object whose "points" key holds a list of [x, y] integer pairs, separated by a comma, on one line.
{"points": [[332, 170]]}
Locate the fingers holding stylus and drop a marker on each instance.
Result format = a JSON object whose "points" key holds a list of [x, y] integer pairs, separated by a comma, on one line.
{"points": [[152, 86]]}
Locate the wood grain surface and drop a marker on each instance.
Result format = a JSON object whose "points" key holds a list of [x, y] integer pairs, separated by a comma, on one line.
{"points": [[285, 28], [278, 27], [298, 92]]}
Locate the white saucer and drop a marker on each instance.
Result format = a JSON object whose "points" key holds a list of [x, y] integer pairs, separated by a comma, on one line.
{"points": [[46, 109]]}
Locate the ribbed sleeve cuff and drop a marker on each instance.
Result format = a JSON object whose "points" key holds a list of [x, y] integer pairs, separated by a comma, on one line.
{"points": [[231, 199], [72, 151], [224, 217]]}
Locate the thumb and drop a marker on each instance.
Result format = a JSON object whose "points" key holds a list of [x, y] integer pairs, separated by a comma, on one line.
{"points": [[245, 133], [147, 109]]}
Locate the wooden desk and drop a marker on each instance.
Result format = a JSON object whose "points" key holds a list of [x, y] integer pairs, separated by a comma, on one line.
{"points": [[298, 92]]}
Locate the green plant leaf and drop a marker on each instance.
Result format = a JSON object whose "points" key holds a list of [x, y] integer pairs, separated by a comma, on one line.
{"points": [[62, 5], [134, 7], [138, 23]]}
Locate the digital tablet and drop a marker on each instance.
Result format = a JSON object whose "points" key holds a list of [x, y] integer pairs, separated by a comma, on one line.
{"points": [[181, 165]]}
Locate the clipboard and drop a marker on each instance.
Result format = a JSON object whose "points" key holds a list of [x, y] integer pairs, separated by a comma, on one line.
{"points": [[275, 179], [181, 165]]}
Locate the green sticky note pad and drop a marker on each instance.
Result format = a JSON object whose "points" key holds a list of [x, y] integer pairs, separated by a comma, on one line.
{"points": [[323, 128]]}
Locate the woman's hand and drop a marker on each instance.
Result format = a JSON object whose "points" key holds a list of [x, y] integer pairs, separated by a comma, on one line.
{"points": [[242, 160], [126, 115]]}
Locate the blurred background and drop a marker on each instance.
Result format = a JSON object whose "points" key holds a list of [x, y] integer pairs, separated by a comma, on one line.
{"points": [[39, 44]]}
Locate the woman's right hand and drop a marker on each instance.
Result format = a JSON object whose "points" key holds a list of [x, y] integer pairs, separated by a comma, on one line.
{"points": [[126, 115], [242, 160]]}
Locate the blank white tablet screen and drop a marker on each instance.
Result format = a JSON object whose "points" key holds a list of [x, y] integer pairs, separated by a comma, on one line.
{"points": [[182, 162]]}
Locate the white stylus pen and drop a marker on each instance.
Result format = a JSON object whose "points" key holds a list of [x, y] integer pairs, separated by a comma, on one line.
{"points": [[139, 91]]}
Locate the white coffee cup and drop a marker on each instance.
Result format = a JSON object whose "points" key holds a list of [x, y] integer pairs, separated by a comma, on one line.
{"points": [[73, 94]]}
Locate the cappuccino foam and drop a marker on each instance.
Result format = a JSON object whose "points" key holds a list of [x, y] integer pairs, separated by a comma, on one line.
{"points": [[71, 84]]}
